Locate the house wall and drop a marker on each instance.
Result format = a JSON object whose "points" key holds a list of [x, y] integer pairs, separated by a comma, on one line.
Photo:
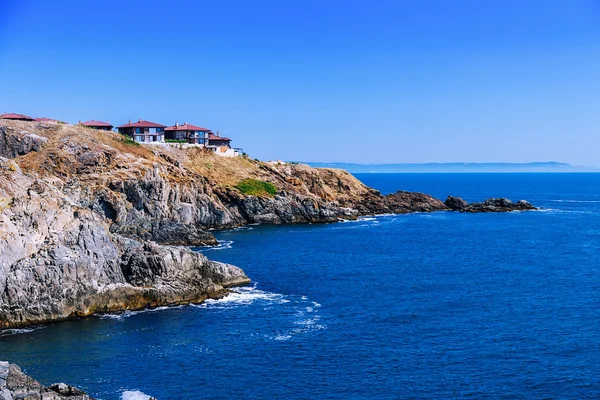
{"points": [[144, 135]]}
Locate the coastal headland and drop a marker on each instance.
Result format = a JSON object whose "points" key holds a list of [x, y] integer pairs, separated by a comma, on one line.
{"points": [[92, 222]]}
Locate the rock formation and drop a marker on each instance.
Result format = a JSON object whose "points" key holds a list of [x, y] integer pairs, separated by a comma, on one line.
{"points": [[455, 203], [89, 219], [489, 205], [15, 385], [59, 257]]}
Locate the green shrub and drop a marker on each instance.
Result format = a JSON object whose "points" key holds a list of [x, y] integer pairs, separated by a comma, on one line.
{"points": [[253, 187], [128, 140], [175, 141]]}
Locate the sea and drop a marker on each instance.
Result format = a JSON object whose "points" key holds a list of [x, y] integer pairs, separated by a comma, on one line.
{"points": [[419, 306]]}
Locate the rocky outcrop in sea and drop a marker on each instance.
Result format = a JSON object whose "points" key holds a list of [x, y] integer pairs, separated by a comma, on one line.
{"points": [[493, 205]]}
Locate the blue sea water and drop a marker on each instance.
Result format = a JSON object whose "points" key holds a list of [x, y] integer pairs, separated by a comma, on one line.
{"points": [[431, 306]]}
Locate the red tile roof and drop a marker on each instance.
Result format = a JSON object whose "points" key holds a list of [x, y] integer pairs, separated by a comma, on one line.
{"points": [[142, 124], [96, 123], [186, 127], [215, 137], [44, 119], [16, 116]]}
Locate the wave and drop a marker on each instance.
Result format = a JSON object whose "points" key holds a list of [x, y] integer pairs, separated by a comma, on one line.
{"points": [[302, 314], [223, 245], [243, 228], [134, 395], [10, 332], [243, 296], [119, 316], [575, 201], [559, 211]]}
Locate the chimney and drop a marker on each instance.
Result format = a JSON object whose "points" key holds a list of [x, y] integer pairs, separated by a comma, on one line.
{"points": [[129, 122], [139, 120], [176, 124]]}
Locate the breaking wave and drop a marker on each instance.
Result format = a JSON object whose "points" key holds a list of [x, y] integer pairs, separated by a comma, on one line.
{"points": [[10, 332], [243, 296], [223, 245], [134, 395], [575, 201], [119, 316], [300, 315]]}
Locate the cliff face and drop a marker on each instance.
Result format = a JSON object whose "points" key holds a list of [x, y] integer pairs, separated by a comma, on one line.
{"points": [[88, 220], [61, 257], [14, 385]]}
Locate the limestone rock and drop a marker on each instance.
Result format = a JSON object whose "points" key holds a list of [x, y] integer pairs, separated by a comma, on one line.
{"points": [[15, 385]]}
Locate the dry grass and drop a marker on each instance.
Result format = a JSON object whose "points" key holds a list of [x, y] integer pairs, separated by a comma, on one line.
{"points": [[68, 148]]}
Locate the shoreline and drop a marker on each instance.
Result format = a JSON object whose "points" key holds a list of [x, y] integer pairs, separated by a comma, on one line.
{"points": [[92, 224]]}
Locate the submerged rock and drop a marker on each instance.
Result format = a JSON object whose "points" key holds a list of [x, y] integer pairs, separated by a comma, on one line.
{"points": [[15, 385]]}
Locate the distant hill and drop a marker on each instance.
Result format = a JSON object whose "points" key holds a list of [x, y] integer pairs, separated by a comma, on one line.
{"points": [[550, 166]]}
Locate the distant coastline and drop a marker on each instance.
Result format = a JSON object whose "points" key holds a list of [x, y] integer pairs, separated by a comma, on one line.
{"points": [[550, 166]]}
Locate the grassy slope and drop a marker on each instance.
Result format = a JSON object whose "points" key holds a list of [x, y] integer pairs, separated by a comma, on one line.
{"points": [[95, 156]]}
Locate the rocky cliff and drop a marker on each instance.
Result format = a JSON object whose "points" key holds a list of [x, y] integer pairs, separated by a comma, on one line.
{"points": [[15, 385], [61, 253], [90, 221]]}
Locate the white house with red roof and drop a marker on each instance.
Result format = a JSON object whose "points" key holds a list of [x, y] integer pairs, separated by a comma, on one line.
{"points": [[222, 146], [18, 117], [192, 134], [99, 125], [144, 131]]}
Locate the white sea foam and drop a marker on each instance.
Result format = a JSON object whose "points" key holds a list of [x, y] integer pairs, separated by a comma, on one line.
{"points": [[559, 211], [223, 245], [119, 316], [359, 219], [302, 312], [134, 395], [243, 228], [244, 296], [576, 201], [10, 332]]}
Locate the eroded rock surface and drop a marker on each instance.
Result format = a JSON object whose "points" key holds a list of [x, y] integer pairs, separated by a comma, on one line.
{"points": [[498, 205], [88, 220], [15, 385]]}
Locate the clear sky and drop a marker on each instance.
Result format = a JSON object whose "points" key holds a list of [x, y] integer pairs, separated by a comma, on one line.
{"points": [[348, 81]]}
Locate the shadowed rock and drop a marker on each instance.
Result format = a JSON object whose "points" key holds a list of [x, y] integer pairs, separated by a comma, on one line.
{"points": [[455, 203], [498, 205], [15, 385]]}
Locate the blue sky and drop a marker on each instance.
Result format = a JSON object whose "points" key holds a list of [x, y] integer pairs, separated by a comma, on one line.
{"points": [[347, 81]]}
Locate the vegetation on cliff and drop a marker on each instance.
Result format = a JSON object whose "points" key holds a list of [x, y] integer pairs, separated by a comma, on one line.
{"points": [[253, 187]]}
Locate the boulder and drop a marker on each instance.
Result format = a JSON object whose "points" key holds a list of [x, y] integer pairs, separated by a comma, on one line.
{"points": [[15, 385], [455, 203]]}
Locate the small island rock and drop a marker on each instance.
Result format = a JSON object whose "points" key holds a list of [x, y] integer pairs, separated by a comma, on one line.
{"points": [[498, 205], [455, 203]]}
